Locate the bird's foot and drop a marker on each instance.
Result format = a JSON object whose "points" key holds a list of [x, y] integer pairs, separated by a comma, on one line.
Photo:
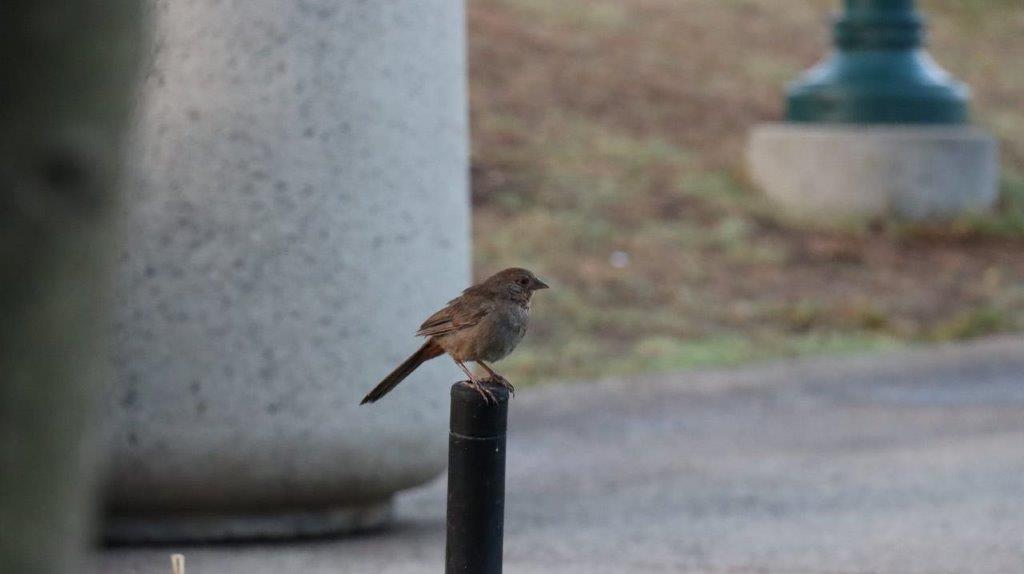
{"points": [[504, 383], [485, 393]]}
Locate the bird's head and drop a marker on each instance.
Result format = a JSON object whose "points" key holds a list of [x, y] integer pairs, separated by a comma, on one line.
{"points": [[517, 282]]}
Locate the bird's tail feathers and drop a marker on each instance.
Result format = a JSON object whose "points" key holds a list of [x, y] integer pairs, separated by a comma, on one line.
{"points": [[428, 351]]}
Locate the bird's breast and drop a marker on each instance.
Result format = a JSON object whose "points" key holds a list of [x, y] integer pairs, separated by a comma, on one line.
{"points": [[504, 329]]}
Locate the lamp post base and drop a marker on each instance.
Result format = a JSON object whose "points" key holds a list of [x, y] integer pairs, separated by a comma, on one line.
{"points": [[827, 174]]}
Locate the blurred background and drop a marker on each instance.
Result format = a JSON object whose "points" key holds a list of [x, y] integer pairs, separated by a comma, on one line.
{"points": [[305, 181], [608, 144]]}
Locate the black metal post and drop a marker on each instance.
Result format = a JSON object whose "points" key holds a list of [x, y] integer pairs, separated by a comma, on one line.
{"points": [[476, 481]]}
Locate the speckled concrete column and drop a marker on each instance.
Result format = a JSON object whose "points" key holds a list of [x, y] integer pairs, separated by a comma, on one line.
{"points": [[299, 204]]}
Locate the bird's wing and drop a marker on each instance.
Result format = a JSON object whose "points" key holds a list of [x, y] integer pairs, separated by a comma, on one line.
{"points": [[460, 313]]}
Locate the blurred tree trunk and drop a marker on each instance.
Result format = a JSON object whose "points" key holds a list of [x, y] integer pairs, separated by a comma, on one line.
{"points": [[67, 69]]}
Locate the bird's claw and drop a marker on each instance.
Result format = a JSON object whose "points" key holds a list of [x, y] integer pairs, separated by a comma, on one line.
{"points": [[504, 383], [485, 393]]}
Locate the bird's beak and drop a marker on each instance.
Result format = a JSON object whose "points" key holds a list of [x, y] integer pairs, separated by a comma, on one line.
{"points": [[538, 284]]}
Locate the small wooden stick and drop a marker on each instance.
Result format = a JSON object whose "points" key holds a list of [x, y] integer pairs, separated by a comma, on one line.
{"points": [[177, 564]]}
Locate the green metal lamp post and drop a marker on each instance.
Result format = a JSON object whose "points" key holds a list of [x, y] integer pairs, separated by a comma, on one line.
{"points": [[879, 73], [876, 130]]}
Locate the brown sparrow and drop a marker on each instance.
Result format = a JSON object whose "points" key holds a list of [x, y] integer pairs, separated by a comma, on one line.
{"points": [[485, 323]]}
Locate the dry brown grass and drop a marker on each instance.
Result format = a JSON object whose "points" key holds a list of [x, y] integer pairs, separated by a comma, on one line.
{"points": [[614, 129]]}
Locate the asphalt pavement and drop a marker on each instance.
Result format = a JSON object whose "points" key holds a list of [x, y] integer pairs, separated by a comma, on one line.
{"points": [[903, 462]]}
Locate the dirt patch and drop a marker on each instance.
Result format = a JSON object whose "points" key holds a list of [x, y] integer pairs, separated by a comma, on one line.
{"points": [[608, 145]]}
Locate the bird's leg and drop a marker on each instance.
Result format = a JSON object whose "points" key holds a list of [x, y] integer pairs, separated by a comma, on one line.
{"points": [[485, 393], [498, 378]]}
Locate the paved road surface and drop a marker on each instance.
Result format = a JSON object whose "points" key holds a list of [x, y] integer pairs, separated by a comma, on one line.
{"points": [[904, 462]]}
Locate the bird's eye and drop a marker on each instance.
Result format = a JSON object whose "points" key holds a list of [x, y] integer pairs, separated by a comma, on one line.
{"points": [[524, 281]]}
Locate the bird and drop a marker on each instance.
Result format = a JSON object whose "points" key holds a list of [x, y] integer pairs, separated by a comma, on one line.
{"points": [[483, 324]]}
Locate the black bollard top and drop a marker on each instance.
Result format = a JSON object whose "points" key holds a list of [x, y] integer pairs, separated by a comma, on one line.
{"points": [[474, 417]]}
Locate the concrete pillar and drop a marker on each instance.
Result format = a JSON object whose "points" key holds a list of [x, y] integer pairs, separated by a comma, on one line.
{"points": [[299, 204]]}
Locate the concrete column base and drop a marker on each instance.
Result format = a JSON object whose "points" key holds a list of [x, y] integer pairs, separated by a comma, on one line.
{"points": [[165, 528], [826, 174], [298, 204]]}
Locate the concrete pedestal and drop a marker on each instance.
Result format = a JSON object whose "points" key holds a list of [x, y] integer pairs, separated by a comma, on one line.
{"points": [[299, 205], [826, 174]]}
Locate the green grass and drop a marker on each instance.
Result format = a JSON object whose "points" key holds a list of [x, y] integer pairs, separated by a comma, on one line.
{"points": [[587, 357], [608, 141]]}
